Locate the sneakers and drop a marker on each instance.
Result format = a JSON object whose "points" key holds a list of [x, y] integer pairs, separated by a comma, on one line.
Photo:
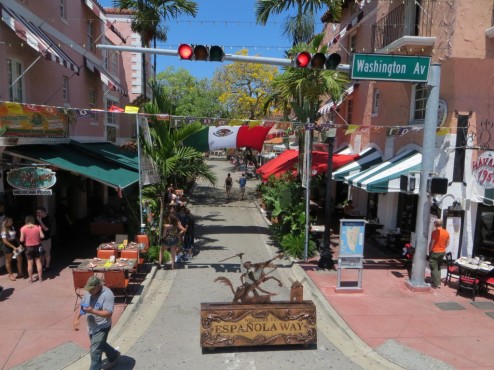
{"points": [[111, 364]]}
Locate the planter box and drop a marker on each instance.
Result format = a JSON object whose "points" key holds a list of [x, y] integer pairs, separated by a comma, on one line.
{"points": [[277, 323]]}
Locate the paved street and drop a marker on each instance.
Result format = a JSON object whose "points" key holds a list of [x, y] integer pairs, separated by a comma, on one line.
{"points": [[164, 333]]}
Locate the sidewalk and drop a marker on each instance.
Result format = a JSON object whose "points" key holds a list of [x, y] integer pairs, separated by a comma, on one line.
{"points": [[393, 320]]}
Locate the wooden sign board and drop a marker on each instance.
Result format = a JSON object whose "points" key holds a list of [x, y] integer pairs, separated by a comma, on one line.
{"points": [[277, 323]]}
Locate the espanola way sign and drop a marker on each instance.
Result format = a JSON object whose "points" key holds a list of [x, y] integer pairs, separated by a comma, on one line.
{"points": [[383, 67]]}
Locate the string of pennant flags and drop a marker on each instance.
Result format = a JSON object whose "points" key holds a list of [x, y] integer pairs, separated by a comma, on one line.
{"points": [[11, 111]]}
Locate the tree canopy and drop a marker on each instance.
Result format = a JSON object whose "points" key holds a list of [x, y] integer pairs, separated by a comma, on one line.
{"points": [[245, 87]]}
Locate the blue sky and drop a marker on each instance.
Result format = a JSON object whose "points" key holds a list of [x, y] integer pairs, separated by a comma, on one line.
{"points": [[229, 23]]}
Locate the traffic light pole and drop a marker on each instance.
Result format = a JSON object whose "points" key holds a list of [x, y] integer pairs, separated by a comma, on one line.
{"points": [[282, 62]]}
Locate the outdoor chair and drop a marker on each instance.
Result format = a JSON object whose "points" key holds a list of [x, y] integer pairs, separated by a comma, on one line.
{"points": [[452, 271], [80, 280], [116, 281], [468, 280], [106, 253]]}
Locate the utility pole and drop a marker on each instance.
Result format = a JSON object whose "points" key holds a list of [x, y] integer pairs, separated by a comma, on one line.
{"points": [[428, 152]]}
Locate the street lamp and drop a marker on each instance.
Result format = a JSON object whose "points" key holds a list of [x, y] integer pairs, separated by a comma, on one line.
{"points": [[330, 135]]}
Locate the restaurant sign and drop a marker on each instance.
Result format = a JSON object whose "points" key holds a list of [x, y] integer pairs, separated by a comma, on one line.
{"points": [[483, 170], [31, 178]]}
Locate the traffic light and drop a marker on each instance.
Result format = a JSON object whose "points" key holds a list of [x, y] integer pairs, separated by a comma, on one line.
{"points": [[212, 53], [305, 59]]}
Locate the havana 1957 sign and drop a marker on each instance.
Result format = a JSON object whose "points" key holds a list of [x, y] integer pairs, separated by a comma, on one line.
{"points": [[483, 170], [31, 178]]}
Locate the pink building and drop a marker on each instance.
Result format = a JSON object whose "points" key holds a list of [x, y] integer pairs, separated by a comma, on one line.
{"points": [[386, 118], [50, 63]]}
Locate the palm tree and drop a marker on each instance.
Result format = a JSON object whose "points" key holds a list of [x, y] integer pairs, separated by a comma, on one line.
{"points": [[302, 88], [147, 21], [300, 27], [172, 159]]}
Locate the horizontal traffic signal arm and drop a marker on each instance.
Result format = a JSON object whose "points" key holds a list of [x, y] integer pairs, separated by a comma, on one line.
{"points": [[282, 62]]}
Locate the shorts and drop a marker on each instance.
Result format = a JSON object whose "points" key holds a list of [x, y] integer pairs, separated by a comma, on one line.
{"points": [[7, 250], [169, 242], [34, 252]]}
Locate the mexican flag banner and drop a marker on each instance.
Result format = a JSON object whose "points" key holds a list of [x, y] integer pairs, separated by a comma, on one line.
{"points": [[213, 138]]}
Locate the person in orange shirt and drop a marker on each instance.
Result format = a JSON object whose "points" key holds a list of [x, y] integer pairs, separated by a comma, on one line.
{"points": [[437, 249]]}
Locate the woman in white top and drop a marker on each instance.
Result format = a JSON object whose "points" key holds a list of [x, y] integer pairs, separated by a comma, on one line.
{"points": [[10, 246]]}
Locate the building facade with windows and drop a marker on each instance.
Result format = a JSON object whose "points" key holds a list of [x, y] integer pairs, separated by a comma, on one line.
{"points": [[385, 118], [67, 90]]}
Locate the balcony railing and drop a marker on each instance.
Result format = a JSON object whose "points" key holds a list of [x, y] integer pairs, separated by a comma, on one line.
{"points": [[401, 21]]}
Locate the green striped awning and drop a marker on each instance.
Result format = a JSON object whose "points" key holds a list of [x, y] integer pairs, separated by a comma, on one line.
{"points": [[385, 177], [367, 158], [67, 157]]}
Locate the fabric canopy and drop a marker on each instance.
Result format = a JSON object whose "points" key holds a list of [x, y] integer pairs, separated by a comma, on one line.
{"points": [[105, 77], [288, 160], [100, 14], [331, 104], [36, 38], [68, 157], [367, 158], [385, 177]]}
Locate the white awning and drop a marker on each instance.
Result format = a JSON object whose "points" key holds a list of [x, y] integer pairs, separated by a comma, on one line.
{"points": [[367, 158], [347, 28], [385, 177], [36, 38]]}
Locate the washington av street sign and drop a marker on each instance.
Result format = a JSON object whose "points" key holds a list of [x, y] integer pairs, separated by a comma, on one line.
{"points": [[383, 67]]}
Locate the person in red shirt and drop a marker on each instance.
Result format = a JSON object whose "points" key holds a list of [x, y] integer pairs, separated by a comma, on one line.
{"points": [[437, 249], [31, 236]]}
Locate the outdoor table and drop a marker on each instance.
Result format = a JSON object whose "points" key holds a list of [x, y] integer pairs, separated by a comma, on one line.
{"points": [[114, 245], [481, 269], [100, 265]]}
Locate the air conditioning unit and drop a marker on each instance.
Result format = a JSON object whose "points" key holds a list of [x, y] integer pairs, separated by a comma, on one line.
{"points": [[408, 183], [437, 185]]}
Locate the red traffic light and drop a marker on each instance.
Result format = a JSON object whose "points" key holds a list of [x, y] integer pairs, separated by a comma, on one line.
{"points": [[185, 51], [303, 59]]}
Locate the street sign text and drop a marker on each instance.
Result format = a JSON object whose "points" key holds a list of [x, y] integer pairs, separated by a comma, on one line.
{"points": [[381, 67]]}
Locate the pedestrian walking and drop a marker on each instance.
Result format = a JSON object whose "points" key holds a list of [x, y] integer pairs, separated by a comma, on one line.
{"points": [[44, 221], [172, 233], [97, 304], [437, 249], [11, 248], [228, 185], [242, 182], [31, 236]]}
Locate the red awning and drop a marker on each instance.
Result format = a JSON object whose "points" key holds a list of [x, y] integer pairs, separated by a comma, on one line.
{"points": [[288, 160]]}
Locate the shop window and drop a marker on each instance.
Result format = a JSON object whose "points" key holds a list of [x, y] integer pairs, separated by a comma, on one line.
{"points": [[419, 102], [349, 111], [375, 101], [111, 118], [372, 200], [63, 9], [111, 134], [407, 212], [15, 71], [90, 35], [65, 89]]}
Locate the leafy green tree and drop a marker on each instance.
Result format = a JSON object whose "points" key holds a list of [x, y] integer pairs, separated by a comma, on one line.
{"points": [[299, 27], [189, 96], [172, 159], [148, 20], [245, 87]]}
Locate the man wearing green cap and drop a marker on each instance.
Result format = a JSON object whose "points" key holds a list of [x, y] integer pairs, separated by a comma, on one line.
{"points": [[98, 304]]}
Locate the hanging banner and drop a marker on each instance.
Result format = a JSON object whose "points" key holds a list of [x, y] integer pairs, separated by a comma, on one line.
{"points": [[25, 120]]}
